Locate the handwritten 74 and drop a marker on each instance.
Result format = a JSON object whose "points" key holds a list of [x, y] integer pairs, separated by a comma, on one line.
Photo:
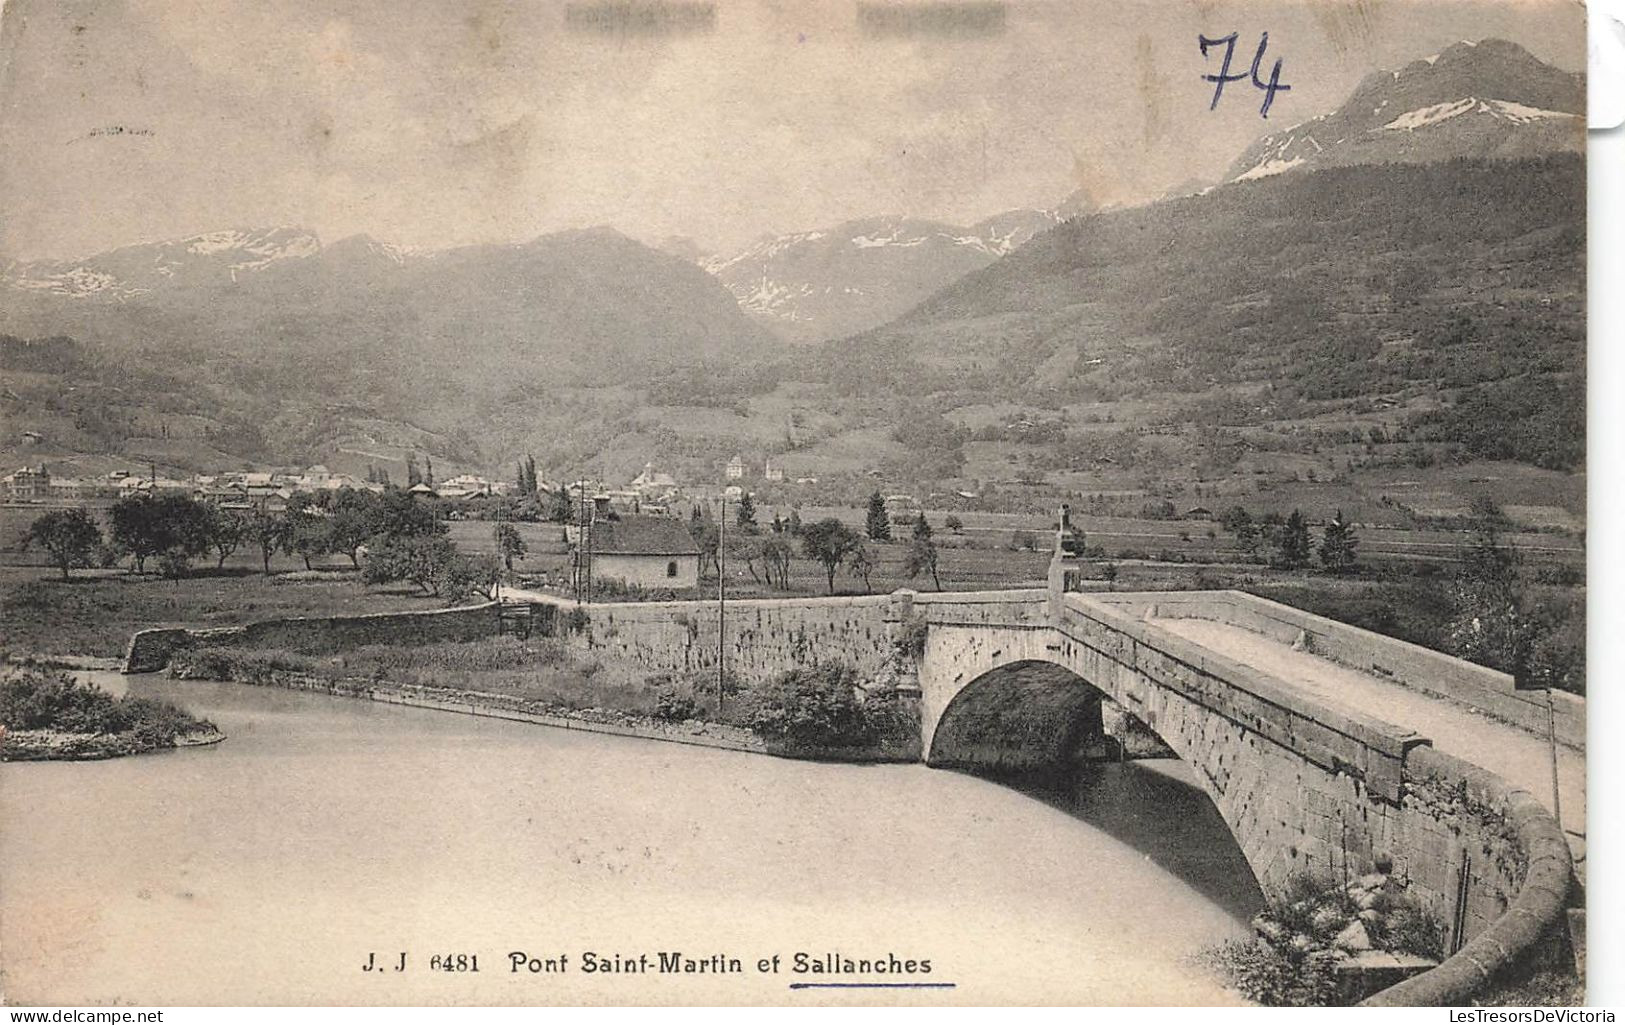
{"points": [[1224, 77]]}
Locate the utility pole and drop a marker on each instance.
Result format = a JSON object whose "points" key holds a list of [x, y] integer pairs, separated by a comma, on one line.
{"points": [[722, 598], [586, 538], [1551, 740], [581, 541]]}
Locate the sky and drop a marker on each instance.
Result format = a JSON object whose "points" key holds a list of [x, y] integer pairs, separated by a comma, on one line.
{"points": [[430, 123]]}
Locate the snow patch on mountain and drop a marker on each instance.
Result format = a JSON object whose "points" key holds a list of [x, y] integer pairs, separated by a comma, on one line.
{"points": [[1270, 167], [1414, 119], [1505, 110]]}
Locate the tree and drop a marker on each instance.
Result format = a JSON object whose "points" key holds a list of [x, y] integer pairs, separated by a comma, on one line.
{"points": [[1108, 573], [267, 532], [430, 562], [861, 564], [226, 533], [1023, 541], [922, 558], [510, 545], [413, 476], [875, 522], [922, 528], [352, 519], [173, 564], [829, 542], [794, 526], [746, 549], [147, 525], [777, 552], [560, 508], [954, 524], [745, 517], [398, 514], [71, 537], [1338, 544], [1292, 543], [308, 533], [706, 535], [1489, 624], [1240, 523]]}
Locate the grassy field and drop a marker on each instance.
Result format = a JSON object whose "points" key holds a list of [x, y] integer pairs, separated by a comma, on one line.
{"points": [[1401, 587]]}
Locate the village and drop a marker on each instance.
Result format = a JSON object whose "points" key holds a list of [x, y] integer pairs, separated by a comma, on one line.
{"points": [[653, 532]]}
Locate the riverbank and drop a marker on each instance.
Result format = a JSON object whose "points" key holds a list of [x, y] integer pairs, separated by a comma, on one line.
{"points": [[543, 684], [61, 746]]}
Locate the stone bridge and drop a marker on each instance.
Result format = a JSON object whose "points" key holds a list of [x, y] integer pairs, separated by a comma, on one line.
{"points": [[1288, 721], [1310, 736]]}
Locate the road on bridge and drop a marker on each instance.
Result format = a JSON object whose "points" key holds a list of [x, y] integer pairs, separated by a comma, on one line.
{"points": [[1515, 755]]}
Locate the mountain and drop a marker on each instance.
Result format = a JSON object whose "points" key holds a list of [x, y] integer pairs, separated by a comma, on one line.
{"points": [[213, 258], [311, 344], [1459, 282], [576, 306], [833, 282], [1487, 99]]}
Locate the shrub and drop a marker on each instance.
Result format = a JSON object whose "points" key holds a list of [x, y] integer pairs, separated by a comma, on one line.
{"points": [[911, 638], [40, 700], [811, 706], [1278, 978], [673, 705]]}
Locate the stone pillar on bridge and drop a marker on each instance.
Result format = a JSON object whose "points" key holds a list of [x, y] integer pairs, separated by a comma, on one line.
{"points": [[902, 628]]}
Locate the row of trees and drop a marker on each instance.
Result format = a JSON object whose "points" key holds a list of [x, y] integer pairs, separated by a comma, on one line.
{"points": [[832, 544], [1289, 538], [401, 538], [829, 542]]}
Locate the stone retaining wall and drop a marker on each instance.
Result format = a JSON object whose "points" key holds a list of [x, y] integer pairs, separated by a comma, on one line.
{"points": [[1519, 873], [763, 636], [150, 650]]}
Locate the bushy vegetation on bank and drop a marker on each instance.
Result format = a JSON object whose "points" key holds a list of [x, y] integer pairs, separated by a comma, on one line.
{"points": [[819, 709], [1304, 934], [40, 701]]}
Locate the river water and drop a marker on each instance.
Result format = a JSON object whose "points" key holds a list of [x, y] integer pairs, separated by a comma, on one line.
{"points": [[268, 868]]}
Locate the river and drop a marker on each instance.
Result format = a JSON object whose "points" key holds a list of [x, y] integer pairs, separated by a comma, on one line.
{"points": [[266, 869]]}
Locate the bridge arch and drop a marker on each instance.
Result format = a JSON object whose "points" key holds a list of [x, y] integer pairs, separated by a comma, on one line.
{"points": [[1026, 714], [1301, 791], [1040, 713]]}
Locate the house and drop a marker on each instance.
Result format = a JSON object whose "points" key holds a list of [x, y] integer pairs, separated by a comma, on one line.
{"points": [[735, 470], [643, 551], [622, 501], [654, 485], [27, 485], [652, 478], [1198, 512], [465, 485], [771, 472]]}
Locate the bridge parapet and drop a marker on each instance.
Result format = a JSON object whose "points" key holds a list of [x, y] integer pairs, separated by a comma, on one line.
{"points": [[1015, 608], [1415, 667], [1142, 654]]}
